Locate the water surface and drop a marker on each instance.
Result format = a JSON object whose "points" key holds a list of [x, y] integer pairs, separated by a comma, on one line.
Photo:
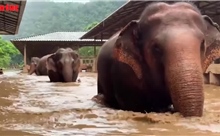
{"points": [[30, 105]]}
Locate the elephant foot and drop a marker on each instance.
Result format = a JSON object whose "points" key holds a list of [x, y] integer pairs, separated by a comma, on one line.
{"points": [[163, 109], [99, 98], [172, 110], [168, 109], [78, 80]]}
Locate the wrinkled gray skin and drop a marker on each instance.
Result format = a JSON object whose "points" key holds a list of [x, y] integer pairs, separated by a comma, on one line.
{"points": [[38, 65], [63, 65], [158, 61]]}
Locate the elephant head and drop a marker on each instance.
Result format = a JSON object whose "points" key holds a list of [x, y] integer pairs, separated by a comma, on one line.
{"points": [[169, 47], [212, 41], [33, 65], [63, 65]]}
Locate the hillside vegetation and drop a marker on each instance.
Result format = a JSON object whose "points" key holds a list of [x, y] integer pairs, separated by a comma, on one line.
{"points": [[47, 17]]}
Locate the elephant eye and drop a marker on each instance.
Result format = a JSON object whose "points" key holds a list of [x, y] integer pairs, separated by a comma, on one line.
{"points": [[75, 55], [202, 46], [156, 49]]}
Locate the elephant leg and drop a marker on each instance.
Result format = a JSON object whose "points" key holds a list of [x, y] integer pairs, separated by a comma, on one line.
{"points": [[105, 90], [75, 76], [127, 93], [131, 94], [99, 98], [53, 76], [37, 72], [100, 90], [132, 98]]}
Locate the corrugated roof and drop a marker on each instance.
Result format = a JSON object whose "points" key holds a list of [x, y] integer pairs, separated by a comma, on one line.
{"points": [[56, 36], [43, 44], [132, 10], [10, 20]]}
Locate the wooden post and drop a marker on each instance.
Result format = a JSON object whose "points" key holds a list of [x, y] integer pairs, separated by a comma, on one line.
{"points": [[25, 70], [101, 36], [94, 51], [94, 69], [25, 55], [77, 48]]}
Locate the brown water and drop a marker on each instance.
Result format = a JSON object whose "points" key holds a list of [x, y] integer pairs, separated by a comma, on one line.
{"points": [[30, 105]]}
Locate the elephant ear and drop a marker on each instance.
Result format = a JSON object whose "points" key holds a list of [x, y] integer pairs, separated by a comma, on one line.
{"points": [[76, 57], [50, 63], [126, 48], [212, 38]]}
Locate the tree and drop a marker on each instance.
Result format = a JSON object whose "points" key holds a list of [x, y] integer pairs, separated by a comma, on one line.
{"points": [[9, 55], [89, 51], [53, 17], [92, 25]]}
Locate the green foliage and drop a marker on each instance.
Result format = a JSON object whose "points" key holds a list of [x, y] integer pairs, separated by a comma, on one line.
{"points": [[9, 55], [90, 26], [46, 17], [88, 51]]}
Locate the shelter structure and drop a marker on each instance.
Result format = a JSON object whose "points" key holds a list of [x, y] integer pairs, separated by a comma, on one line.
{"points": [[11, 13], [132, 11], [40, 45]]}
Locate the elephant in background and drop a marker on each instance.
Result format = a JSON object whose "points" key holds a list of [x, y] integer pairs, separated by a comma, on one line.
{"points": [[33, 65], [38, 65], [158, 60], [63, 65]]}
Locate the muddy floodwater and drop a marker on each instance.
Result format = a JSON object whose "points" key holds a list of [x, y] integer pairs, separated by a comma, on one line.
{"points": [[30, 106]]}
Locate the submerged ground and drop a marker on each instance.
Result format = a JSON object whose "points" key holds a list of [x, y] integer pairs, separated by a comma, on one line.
{"points": [[30, 105]]}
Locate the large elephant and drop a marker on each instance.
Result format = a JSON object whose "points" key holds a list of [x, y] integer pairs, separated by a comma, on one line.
{"points": [[158, 60], [38, 65], [63, 65]]}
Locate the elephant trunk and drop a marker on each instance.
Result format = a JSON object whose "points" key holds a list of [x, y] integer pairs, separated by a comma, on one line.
{"points": [[32, 69], [67, 73], [185, 82], [183, 70]]}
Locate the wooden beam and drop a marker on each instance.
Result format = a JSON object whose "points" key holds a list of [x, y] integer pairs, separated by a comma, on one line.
{"points": [[20, 14], [8, 18], [211, 8], [6, 24], [25, 55], [210, 3], [112, 18], [127, 18], [25, 70]]}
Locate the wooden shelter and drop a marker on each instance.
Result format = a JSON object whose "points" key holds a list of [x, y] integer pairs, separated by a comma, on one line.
{"points": [[132, 11], [40, 45], [10, 20]]}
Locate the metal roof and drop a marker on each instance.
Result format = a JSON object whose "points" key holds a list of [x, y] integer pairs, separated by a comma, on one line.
{"points": [[41, 45], [132, 10], [56, 36], [10, 20]]}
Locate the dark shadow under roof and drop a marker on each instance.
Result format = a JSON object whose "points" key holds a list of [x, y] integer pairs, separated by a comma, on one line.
{"points": [[132, 10], [10, 20]]}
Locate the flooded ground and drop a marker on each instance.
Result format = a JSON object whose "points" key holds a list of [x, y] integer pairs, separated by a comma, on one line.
{"points": [[30, 105]]}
